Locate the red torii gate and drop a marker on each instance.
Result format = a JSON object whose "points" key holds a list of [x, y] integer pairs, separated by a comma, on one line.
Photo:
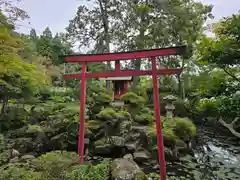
{"points": [[154, 72]]}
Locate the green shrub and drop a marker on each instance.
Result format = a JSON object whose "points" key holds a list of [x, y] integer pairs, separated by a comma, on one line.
{"points": [[90, 172], [12, 101], [141, 91], [124, 115], [228, 106], [184, 128], [61, 99], [38, 113], [56, 107], [133, 99], [93, 125], [144, 118], [102, 98], [96, 100], [100, 142], [169, 133], [208, 107], [147, 110], [107, 114], [153, 176], [225, 106], [14, 118], [110, 113], [180, 108], [5, 156], [54, 164], [19, 173], [174, 129], [34, 128], [58, 99]]}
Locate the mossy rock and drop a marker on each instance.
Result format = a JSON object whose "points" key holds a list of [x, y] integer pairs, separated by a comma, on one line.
{"points": [[125, 169], [34, 129], [100, 142], [59, 141], [89, 133], [180, 143]]}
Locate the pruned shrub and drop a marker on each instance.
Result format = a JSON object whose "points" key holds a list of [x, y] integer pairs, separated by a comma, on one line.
{"points": [[174, 129], [55, 164], [144, 118], [133, 99], [89, 172], [184, 128], [19, 173], [107, 114], [124, 115], [14, 118]]}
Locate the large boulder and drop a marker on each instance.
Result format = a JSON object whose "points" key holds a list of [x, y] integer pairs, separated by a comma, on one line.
{"points": [[126, 169], [27, 157], [142, 157], [28, 139], [138, 139], [113, 146], [116, 141], [103, 150]]}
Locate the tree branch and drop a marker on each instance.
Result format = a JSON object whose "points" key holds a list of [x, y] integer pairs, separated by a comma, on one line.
{"points": [[234, 77], [234, 121], [229, 127]]}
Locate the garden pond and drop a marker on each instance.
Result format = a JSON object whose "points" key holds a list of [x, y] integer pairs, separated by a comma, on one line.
{"points": [[215, 157]]}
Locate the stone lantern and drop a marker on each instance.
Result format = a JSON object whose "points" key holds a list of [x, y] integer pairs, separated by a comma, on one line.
{"points": [[170, 106]]}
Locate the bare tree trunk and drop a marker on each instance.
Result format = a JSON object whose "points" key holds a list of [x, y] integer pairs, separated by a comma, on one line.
{"points": [[140, 46], [181, 88], [105, 22], [4, 106]]}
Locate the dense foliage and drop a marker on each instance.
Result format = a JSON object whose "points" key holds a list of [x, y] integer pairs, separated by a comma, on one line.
{"points": [[39, 118]]}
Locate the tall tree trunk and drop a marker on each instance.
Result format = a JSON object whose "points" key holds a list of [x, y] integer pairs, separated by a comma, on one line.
{"points": [[181, 87], [105, 22], [4, 106], [140, 46]]}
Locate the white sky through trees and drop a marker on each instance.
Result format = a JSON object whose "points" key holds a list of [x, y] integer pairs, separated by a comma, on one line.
{"points": [[57, 13]]}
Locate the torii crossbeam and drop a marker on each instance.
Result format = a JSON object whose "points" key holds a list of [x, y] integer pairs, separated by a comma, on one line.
{"points": [[154, 72]]}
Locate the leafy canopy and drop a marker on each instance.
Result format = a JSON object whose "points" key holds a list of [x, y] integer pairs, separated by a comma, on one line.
{"points": [[16, 76], [224, 49]]}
